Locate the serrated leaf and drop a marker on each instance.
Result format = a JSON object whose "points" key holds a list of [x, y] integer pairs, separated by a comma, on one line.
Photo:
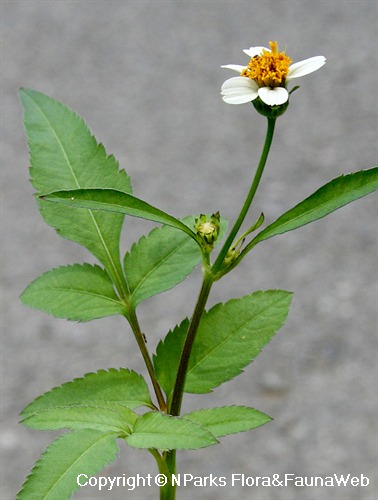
{"points": [[118, 419], [168, 353], [161, 260], [327, 199], [64, 155], [164, 432], [229, 337], [76, 292], [115, 201], [226, 420], [55, 474], [103, 388]]}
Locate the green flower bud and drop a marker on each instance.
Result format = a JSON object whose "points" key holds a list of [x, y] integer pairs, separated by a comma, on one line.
{"points": [[231, 255], [208, 229]]}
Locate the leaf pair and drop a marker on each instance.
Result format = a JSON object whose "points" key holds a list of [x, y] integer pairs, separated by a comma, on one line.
{"points": [[73, 458], [65, 156], [103, 401], [99, 409], [330, 197], [154, 264]]}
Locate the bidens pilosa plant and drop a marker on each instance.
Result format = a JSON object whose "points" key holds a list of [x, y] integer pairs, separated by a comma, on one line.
{"points": [[83, 195]]}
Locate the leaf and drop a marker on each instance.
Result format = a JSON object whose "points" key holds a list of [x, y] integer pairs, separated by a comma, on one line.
{"points": [[67, 462], [118, 419], [164, 432], [229, 337], [103, 388], [112, 200], [226, 420], [64, 155], [160, 261], [327, 199], [77, 292], [168, 353]]}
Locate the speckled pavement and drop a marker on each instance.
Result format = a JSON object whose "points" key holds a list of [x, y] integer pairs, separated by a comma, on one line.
{"points": [[146, 77]]}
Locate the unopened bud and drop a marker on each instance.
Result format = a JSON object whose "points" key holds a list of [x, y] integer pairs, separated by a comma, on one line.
{"points": [[231, 255], [208, 229]]}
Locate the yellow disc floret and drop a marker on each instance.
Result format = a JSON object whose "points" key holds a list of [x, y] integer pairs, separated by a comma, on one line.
{"points": [[268, 69]]}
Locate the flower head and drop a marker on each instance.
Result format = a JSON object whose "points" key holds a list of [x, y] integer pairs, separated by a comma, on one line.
{"points": [[208, 229], [266, 76]]}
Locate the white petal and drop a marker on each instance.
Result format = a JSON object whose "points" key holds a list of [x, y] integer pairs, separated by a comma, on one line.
{"points": [[239, 90], [234, 67], [240, 81], [305, 67], [255, 51], [273, 97]]}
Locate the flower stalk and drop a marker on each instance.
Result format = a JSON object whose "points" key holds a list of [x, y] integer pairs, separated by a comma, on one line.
{"points": [[216, 268], [210, 275], [215, 273]]}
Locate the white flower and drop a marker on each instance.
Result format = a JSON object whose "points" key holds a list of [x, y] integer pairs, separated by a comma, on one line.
{"points": [[266, 76]]}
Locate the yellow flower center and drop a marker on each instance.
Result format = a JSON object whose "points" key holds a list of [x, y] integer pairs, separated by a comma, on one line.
{"points": [[269, 69], [207, 228]]}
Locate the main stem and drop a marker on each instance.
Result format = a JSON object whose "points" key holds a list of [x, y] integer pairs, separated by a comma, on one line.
{"points": [[178, 391], [210, 274]]}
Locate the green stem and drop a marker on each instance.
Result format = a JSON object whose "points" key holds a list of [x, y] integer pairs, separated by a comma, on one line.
{"points": [[167, 491], [175, 406], [178, 392], [210, 274], [248, 201], [134, 323]]}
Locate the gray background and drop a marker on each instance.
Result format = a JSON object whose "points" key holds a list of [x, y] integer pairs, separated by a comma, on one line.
{"points": [[146, 77]]}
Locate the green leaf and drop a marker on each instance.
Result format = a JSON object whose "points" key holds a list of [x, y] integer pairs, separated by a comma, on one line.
{"points": [[112, 200], [168, 353], [229, 337], [68, 461], [160, 261], [64, 155], [103, 388], [117, 419], [226, 420], [164, 432], [327, 199], [77, 292]]}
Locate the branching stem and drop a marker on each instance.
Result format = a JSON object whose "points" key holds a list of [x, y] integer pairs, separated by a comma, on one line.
{"points": [[211, 273], [210, 276]]}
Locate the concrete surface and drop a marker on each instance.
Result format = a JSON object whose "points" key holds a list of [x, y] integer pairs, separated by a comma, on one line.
{"points": [[146, 77]]}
